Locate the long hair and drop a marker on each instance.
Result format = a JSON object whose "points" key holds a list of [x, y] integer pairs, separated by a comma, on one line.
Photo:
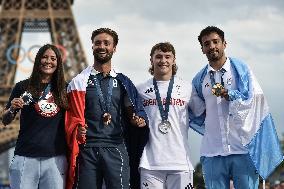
{"points": [[58, 83]]}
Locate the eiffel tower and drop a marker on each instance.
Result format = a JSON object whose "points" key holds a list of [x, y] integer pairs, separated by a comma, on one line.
{"points": [[18, 16]]}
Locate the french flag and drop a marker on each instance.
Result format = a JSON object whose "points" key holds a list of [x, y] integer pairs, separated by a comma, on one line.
{"points": [[75, 116]]}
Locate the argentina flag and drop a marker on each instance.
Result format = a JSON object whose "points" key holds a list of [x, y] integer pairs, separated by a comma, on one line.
{"points": [[250, 112]]}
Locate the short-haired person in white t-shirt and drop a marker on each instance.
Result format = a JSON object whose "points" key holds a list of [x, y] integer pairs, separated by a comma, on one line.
{"points": [[165, 162]]}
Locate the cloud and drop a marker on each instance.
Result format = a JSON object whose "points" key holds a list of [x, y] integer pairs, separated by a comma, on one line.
{"points": [[254, 32], [179, 11]]}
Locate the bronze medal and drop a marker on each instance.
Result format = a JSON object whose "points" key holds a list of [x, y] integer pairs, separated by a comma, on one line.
{"points": [[106, 119]]}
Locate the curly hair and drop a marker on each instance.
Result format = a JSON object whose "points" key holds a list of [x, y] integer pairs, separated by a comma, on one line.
{"points": [[211, 29], [108, 31], [58, 83], [164, 47]]}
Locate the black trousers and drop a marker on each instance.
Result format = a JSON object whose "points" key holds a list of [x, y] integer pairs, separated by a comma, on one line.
{"points": [[98, 164]]}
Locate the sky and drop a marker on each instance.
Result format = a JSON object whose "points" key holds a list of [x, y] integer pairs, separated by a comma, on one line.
{"points": [[254, 31]]}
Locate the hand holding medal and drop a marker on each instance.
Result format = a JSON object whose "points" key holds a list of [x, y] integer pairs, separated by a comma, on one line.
{"points": [[27, 98], [18, 103], [217, 89]]}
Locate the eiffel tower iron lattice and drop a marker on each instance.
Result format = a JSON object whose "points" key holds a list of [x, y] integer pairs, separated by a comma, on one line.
{"points": [[18, 16]]}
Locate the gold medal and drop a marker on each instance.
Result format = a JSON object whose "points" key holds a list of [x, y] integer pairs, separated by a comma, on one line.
{"points": [[106, 119], [217, 89]]}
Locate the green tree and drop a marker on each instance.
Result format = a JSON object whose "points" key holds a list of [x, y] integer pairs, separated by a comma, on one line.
{"points": [[198, 181]]}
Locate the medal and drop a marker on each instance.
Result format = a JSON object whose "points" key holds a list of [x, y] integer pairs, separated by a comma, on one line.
{"points": [[106, 119], [27, 98], [217, 89], [165, 127], [105, 103]]}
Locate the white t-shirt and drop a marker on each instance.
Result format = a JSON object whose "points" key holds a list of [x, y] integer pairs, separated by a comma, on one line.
{"points": [[168, 151]]}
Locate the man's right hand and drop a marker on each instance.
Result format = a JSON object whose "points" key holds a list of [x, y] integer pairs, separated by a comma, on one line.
{"points": [[81, 133]]}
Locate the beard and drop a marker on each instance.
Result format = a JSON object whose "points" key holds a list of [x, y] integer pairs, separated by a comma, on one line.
{"points": [[102, 59], [213, 57]]}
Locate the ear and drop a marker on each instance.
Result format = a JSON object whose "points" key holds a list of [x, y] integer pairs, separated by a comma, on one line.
{"points": [[114, 49], [151, 60], [225, 44]]}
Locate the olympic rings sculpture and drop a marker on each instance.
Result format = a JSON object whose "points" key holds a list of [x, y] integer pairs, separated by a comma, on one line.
{"points": [[29, 54]]}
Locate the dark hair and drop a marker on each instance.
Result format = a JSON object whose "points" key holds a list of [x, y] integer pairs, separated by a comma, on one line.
{"points": [[164, 47], [108, 31], [58, 83], [208, 30]]}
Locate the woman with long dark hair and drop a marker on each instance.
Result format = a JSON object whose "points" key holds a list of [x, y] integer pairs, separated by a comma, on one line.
{"points": [[39, 161]]}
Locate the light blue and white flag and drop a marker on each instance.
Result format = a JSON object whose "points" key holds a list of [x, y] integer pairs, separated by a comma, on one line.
{"points": [[250, 113]]}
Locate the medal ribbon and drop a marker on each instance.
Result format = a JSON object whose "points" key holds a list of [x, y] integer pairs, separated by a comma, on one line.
{"points": [[212, 79], [105, 105], [164, 112], [45, 92]]}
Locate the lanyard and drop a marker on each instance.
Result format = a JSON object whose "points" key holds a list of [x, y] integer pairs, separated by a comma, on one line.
{"points": [[105, 105], [212, 79], [164, 112], [45, 92]]}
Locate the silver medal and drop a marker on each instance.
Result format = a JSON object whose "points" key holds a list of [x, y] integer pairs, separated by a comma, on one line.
{"points": [[27, 98], [165, 127]]}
